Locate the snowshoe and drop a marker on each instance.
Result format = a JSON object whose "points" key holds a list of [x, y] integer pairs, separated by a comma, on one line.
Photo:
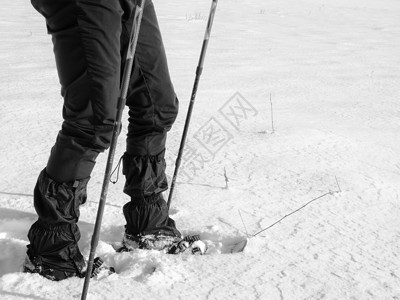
{"points": [[148, 242], [168, 244]]}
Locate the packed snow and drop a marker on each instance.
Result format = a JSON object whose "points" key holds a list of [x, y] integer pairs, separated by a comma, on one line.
{"points": [[294, 138]]}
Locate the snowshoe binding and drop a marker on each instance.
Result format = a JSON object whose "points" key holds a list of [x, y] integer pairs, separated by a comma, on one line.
{"points": [[189, 244], [168, 244]]}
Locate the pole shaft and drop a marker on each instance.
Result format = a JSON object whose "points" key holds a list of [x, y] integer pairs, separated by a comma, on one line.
{"points": [[113, 145], [199, 70]]}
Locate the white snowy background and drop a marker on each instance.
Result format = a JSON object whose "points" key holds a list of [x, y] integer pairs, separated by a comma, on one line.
{"points": [[330, 69]]}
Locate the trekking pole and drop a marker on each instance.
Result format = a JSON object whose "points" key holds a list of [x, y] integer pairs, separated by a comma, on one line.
{"points": [[120, 107], [192, 98]]}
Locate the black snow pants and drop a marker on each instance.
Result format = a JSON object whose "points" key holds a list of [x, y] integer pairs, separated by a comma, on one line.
{"points": [[90, 38]]}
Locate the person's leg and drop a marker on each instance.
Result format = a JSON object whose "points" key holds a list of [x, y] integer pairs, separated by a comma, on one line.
{"points": [[153, 107], [86, 39]]}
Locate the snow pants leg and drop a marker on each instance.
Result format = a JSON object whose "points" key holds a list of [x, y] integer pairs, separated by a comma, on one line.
{"points": [[153, 107], [86, 39]]}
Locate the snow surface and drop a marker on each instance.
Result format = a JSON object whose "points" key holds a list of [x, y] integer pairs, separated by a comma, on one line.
{"points": [[332, 73]]}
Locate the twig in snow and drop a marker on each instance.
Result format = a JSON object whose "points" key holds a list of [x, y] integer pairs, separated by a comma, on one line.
{"points": [[244, 225], [226, 179], [328, 193], [340, 190]]}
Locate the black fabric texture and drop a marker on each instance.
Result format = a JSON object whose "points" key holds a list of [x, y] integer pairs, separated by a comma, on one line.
{"points": [[58, 202], [56, 247], [149, 216], [86, 41], [153, 105], [70, 159], [147, 212], [145, 175], [54, 237]]}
